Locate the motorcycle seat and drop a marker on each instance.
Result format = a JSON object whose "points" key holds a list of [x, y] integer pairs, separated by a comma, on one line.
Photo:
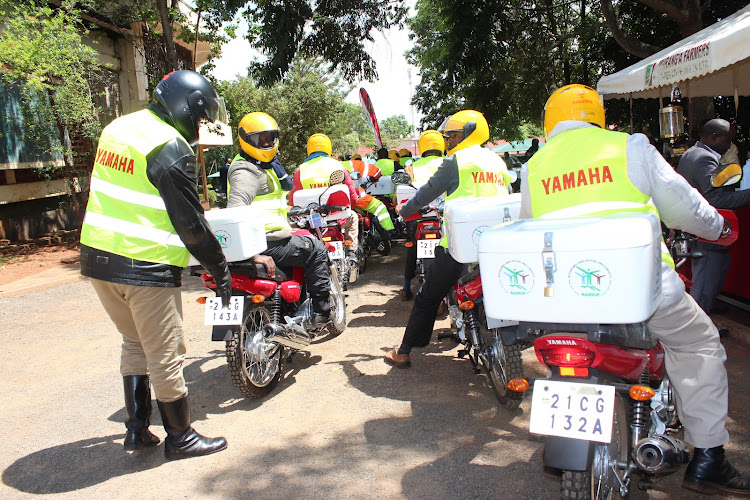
{"points": [[252, 270]]}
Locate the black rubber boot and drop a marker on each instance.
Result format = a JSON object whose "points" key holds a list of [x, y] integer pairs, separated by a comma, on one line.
{"points": [[710, 472], [182, 441], [138, 406]]}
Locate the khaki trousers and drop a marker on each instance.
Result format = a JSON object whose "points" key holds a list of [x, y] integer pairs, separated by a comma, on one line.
{"points": [[695, 365], [351, 231], [150, 321]]}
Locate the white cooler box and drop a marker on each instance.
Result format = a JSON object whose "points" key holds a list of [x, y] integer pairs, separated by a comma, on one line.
{"points": [[406, 193], [337, 195], [467, 218], [383, 186], [240, 230], [586, 270]]}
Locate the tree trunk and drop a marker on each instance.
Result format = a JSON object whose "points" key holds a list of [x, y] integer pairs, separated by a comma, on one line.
{"points": [[166, 26]]}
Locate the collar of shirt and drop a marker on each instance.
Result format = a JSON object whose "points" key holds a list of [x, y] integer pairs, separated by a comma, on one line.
{"points": [[316, 155], [566, 125], [717, 155]]}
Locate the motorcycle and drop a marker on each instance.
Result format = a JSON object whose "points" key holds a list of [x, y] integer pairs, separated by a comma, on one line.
{"points": [[277, 314], [384, 189], [607, 410]]}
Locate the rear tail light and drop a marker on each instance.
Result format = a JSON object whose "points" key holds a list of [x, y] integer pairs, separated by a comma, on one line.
{"points": [[567, 356]]}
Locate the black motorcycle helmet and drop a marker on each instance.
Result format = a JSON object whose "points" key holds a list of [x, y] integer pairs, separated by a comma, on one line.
{"points": [[188, 97]]}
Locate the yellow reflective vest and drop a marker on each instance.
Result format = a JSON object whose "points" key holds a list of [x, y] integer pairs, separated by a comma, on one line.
{"points": [[584, 172], [126, 214], [317, 172], [273, 203]]}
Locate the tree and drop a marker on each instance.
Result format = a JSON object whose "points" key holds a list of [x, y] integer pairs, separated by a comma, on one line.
{"points": [[42, 53], [394, 128]]}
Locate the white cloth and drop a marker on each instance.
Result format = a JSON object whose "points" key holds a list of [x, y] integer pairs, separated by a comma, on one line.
{"points": [[680, 205]]}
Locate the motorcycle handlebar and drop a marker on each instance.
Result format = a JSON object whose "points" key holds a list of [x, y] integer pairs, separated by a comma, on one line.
{"points": [[297, 211]]}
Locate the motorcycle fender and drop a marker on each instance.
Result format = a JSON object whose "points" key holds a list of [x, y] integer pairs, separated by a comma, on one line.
{"points": [[222, 332], [568, 454]]}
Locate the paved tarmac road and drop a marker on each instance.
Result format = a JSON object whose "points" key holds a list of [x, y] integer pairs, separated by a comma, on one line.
{"points": [[341, 424]]}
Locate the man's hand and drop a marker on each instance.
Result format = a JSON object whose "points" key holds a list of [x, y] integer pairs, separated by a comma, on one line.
{"points": [[400, 207], [726, 230], [267, 262], [224, 287]]}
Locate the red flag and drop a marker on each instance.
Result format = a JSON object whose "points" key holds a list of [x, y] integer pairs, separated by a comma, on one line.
{"points": [[364, 98]]}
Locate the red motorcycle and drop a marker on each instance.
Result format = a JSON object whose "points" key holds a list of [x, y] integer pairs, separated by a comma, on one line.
{"points": [[608, 409]]}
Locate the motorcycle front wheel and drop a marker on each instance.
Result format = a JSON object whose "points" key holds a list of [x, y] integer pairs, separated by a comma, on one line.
{"points": [[602, 480], [254, 363]]}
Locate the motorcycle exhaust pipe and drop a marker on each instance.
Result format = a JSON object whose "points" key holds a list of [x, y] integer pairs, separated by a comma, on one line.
{"points": [[661, 454], [286, 336]]}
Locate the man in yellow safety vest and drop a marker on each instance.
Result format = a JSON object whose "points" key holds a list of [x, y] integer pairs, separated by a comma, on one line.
{"points": [[585, 169], [465, 132], [143, 220]]}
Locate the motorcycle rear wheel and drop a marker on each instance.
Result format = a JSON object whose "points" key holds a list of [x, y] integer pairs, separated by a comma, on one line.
{"points": [[254, 364], [338, 310], [599, 481], [503, 364]]}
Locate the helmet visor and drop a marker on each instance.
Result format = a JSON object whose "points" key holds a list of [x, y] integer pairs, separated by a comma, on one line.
{"points": [[265, 139]]}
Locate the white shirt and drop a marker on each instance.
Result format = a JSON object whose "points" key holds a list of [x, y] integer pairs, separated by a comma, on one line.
{"points": [[680, 206]]}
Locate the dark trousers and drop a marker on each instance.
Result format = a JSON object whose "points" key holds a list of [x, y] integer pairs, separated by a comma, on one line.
{"points": [[709, 274], [301, 251], [443, 273]]}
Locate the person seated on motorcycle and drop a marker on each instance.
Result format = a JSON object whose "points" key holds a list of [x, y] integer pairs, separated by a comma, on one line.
{"points": [[642, 180], [370, 173], [456, 176], [385, 163], [404, 158], [253, 180], [431, 150], [316, 171]]}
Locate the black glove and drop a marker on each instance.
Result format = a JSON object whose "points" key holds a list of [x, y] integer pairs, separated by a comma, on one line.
{"points": [[224, 285]]}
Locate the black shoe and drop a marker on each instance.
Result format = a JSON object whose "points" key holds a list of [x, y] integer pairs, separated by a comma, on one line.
{"points": [[724, 333], [319, 320], [182, 440], [405, 295], [710, 472], [138, 406]]}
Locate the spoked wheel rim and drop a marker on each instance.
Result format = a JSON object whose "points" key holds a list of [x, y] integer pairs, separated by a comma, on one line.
{"points": [[261, 359], [606, 470]]}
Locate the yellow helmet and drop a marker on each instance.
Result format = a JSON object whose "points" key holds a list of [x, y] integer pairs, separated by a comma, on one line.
{"points": [[403, 152], [573, 102], [259, 136], [431, 140], [471, 123], [393, 155], [319, 143], [356, 156]]}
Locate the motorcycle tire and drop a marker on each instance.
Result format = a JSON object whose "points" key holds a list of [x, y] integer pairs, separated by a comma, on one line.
{"points": [[503, 363], [338, 310], [599, 481], [254, 364]]}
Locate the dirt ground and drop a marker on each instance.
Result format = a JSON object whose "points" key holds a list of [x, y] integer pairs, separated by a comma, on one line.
{"points": [[16, 267]]}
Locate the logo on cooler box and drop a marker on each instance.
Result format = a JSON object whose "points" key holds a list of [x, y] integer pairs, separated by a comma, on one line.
{"points": [[516, 278], [224, 239], [590, 278], [477, 233]]}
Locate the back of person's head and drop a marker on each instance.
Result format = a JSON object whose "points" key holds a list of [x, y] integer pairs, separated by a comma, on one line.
{"points": [[189, 98], [717, 135], [431, 143], [573, 102], [382, 153], [319, 143], [534, 142]]}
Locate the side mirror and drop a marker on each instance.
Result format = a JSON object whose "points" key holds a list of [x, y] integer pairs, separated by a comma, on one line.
{"points": [[400, 178], [727, 175], [337, 177], [355, 176]]}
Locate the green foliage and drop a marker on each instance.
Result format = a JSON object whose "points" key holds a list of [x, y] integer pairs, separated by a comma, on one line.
{"points": [[41, 49], [394, 128], [305, 102]]}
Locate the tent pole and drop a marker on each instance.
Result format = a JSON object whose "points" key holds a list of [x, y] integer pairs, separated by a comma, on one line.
{"points": [[661, 100], [736, 96], [631, 112]]}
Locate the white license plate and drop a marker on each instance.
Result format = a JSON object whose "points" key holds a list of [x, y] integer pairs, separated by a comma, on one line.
{"points": [[426, 248], [338, 253], [214, 314], [572, 410]]}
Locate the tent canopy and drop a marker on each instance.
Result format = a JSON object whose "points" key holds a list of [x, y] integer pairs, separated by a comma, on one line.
{"points": [[712, 62]]}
